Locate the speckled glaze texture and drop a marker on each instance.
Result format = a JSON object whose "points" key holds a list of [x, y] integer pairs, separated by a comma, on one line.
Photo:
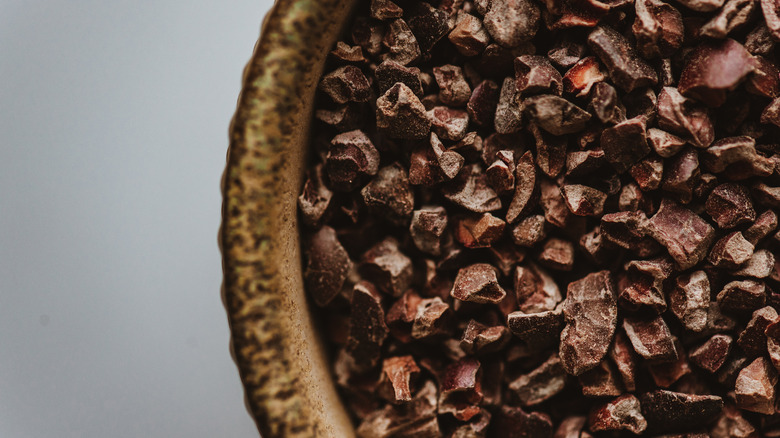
{"points": [[287, 381]]}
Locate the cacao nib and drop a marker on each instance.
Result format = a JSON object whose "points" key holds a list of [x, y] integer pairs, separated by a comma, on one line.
{"points": [[622, 413], [669, 411], [755, 387], [590, 312], [535, 75], [328, 266], [685, 235], [556, 115], [713, 69], [478, 283], [400, 114], [625, 143], [626, 69]]}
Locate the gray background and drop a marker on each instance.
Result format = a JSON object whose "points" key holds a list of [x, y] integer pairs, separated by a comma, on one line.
{"points": [[113, 132]]}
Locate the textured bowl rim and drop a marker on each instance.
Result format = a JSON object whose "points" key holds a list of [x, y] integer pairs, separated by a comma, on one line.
{"points": [[287, 384]]}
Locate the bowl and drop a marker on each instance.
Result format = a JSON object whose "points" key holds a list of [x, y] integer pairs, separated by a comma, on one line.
{"points": [[287, 381]]}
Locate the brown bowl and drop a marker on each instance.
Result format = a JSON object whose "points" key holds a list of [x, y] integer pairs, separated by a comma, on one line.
{"points": [[287, 382]]}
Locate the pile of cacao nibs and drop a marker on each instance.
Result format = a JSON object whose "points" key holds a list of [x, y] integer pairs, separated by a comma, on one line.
{"points": [[558, 218]]}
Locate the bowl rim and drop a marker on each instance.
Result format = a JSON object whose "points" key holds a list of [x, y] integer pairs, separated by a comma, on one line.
{"points": [[288, 389]]}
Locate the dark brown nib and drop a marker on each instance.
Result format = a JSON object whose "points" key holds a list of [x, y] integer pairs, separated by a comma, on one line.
{"points": [[388, 267], [327, 267], [668, 411], [625, 143], [367, 329]]}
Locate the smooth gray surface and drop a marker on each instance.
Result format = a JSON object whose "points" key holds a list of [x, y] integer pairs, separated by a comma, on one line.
{"points": [[113, 133]]}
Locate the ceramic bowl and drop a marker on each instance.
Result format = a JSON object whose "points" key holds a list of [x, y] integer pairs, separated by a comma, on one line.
{"points": [[287, 382]]}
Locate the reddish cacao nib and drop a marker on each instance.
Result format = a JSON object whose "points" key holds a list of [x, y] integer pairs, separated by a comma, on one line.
{"points": [[469, 35], [448, 123], [315, 197], [753, 340], [461, 389], [590, 312], [557, 254], [712, 354], [772, 333], [453, 89], [651, 338], [390, 72], [665, 374], [479, 231], [685, 235], [622, 413], [483, 102], [346, 84], [605, 104], [643, 284], [385, 10], [755, 387], [351, 157], [742, 296], [622, 354], [428, 24], [389, 195], [509, 111], [713, 69], [478, 283], [582, 76], [681, 116], [732, 424], [536, 291], [682, 175], [395, 382], [481, 339], [729, 205], [733, 15]]}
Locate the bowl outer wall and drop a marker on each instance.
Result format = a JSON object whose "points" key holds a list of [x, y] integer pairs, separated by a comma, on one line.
{"points": [[288, 386]]}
